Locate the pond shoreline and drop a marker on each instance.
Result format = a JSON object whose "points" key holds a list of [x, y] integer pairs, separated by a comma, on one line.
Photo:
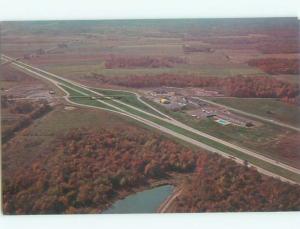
{"points": [[173, 179], [166, 206]]}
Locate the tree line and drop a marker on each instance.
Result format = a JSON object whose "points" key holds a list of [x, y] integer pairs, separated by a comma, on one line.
{"points": [[237, 86], [84, 170], [275, 66], [27, 111], [234, 188], [141, 62]]}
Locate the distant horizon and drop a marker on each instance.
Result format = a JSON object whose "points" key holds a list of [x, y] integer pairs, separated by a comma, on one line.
{"points": [[132, 19], [150, 107], [142, 9]]}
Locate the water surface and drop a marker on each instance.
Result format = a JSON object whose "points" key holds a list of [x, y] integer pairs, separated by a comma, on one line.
{"points": [[147, 201]]}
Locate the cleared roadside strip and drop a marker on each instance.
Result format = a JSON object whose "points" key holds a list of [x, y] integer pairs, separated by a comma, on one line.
{"points": [[274, 122], [183, 132], [164, 207], [262, 118], [138, 96], [183, 137]]}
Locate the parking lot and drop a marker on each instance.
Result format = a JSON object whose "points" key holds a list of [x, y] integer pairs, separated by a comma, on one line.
{"points": [[189, 101]]}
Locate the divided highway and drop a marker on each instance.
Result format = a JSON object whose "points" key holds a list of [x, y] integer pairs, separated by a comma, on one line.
{"points": [[275, 122], [164, 123]]}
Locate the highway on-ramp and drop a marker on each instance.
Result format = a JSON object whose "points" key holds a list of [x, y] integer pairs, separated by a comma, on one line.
{"points": [[274, 122], [166, 124]]}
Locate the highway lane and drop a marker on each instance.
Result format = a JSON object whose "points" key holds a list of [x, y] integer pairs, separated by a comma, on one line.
{"points": [[274, 122], [138, 96], [184, 126], [246, 151], [264, 119], [34, 53], [184, 138], [154, 124], [8, 61]]}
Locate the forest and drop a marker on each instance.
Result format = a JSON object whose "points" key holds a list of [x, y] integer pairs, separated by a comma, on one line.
{"points": [[272, 42], [50, 167], [27, 111], [234, 188], [13, 75], [142, 62], [275, 46], [238, 86], [275, 66], [192, 49], [84, 171]]}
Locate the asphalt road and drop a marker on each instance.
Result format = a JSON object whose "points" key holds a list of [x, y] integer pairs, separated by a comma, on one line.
{"points": [[46, 75], [164, 207], [275, 122]]}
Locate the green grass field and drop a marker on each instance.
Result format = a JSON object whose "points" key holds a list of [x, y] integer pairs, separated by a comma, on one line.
{"points": [[84, 92], [81, 70], [269, 108], [207, 141], [256, 139], [74, 70], [79, 98], [128, 98]]}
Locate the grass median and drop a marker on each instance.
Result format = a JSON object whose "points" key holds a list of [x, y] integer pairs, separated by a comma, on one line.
{"points": [[75, 90]]}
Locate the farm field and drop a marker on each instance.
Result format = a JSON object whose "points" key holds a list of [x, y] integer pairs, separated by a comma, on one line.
{"points": [[86, 54], [269, 108], [171, 127], [97, 111], [258, 138]]}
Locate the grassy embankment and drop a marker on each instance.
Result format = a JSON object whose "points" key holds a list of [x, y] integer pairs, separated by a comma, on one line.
{"points": [[265, 107], [230, 151], [226, 149], [257, 139]]}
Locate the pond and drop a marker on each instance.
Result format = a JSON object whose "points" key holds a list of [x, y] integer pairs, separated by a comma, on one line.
{"points": [[147, 201]]}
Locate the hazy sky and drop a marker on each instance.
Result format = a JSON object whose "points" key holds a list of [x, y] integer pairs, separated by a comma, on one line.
{"points": [[111, 9], [107, 9]]}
